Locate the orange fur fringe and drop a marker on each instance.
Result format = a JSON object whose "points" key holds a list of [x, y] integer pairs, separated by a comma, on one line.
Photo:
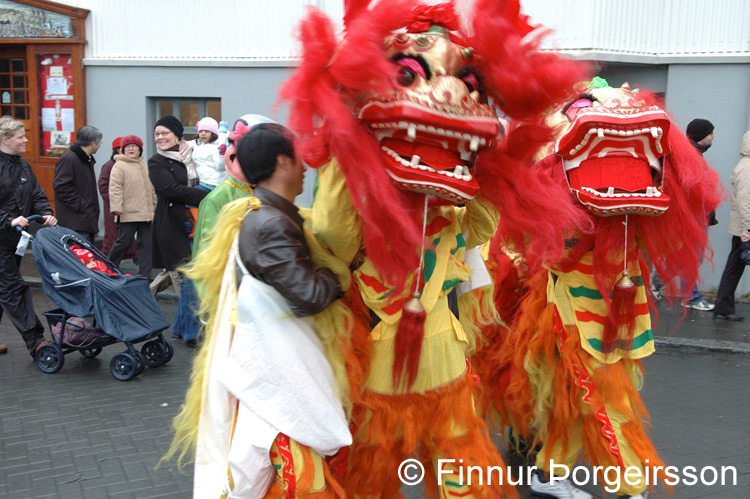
{"points": [[501, 365], [612, 386], [441, 423]]}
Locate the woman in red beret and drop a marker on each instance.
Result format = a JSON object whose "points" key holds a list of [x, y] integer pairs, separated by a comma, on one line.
{"points": [[132, 202], [110, 228]]}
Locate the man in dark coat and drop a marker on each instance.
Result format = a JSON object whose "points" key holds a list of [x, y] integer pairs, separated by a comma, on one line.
{"points": [[76, 194], [20, 197], [700, 132]]}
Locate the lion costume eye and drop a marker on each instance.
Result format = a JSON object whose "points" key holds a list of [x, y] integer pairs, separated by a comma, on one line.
{"points": [[471, 81], [474, 83], [582, 102], [408, 68], [406, 76]]}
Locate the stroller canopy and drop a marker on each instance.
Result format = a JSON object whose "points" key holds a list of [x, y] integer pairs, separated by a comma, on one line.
{"points": [[123, 306]]}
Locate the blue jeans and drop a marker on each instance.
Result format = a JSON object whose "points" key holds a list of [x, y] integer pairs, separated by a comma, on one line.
{"points": [[186, 322], [657, 285], [697, 296]]}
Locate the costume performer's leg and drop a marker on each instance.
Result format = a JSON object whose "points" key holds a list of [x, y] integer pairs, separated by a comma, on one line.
{"points": [[300, 471], [441, 423], [606, 417]]}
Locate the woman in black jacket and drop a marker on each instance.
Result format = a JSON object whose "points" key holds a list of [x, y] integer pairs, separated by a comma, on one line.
{"points": [[20, 197], [172, 173]]}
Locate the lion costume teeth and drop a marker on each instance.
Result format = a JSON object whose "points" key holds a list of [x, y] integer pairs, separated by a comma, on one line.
{"points": [[612, 145]]}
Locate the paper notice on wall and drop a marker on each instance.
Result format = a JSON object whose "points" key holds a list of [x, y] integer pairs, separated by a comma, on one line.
{"points": [[67, 116], [56, 71], [57, 86], [48, 119]]}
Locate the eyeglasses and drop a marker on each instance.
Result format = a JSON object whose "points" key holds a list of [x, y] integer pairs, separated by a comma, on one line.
{"points": [[161, 134]]}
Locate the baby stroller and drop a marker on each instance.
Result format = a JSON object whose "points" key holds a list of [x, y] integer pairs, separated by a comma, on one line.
{"points": [[122, 306]]}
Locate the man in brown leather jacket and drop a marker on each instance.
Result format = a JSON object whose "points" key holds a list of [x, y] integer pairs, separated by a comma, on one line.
{"points": [[272, 245], [287, 399]]}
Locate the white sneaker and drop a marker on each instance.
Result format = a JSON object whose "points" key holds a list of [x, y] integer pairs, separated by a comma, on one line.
{"points": [[559, 489], [701, 305]]}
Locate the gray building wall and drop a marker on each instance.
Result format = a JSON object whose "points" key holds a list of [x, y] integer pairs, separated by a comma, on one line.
{"points": [[719, 93], [119, 102], [648, 76], [119, 99]]}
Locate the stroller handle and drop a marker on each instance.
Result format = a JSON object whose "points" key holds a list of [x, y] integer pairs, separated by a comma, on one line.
{"points": [[30, 218]]}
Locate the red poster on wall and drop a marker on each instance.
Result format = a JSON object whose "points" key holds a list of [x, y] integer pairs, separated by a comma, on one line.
{"points": [[56, 103]]}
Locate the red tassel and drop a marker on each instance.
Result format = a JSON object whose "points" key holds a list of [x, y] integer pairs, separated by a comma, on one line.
{"points": [[622, 314], [408, 345]]}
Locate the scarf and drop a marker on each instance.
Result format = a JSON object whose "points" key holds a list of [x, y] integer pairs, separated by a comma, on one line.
{"points": [[185, 156]]}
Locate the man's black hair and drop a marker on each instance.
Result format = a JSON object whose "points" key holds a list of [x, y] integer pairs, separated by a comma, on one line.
{"points": [[257, 150]]}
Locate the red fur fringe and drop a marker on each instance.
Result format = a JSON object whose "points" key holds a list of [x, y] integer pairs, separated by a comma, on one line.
{"points": [[408, 346], [622, 315], [506, 387], [524, 81], [352, 8], [520, 192], [318, 94], [678, 239]]}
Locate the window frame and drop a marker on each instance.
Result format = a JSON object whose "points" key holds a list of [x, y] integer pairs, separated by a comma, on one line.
{"points": [[189, 130]]}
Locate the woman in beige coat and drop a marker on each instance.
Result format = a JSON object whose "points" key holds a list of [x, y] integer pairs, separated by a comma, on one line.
{"points": [[739, 227], [132, 202]]}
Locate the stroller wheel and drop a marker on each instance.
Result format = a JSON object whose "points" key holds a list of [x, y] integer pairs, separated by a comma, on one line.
{"points": [[141, 360], [90, 353], [170, 351], [155, 353], [50, 358], [123, 366]]}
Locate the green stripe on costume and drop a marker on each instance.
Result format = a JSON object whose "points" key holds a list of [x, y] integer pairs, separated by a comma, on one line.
{"points": [[639, 341], [584, 292]]}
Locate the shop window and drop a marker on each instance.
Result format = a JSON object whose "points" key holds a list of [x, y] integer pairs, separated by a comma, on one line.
{"points": [[14, 89], [188, 111]]}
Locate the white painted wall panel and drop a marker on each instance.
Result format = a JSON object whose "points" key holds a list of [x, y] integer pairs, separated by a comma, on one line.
{"points": [[263, 30], [656, 27], [181, 30]]}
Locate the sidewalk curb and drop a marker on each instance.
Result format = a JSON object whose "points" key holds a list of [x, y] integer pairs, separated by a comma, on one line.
{"points": [[704, 345], [662, 342]]}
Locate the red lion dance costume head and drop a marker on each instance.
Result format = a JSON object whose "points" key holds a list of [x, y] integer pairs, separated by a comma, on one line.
{"points": [[406, 83]]}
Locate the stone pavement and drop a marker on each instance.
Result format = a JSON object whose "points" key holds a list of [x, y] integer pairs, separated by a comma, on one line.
{"points": [[79, 433]]}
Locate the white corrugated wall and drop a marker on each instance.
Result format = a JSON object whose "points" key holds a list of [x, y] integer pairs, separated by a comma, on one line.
{"points": [[181, 30], [653, 27], [263, 30]]}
